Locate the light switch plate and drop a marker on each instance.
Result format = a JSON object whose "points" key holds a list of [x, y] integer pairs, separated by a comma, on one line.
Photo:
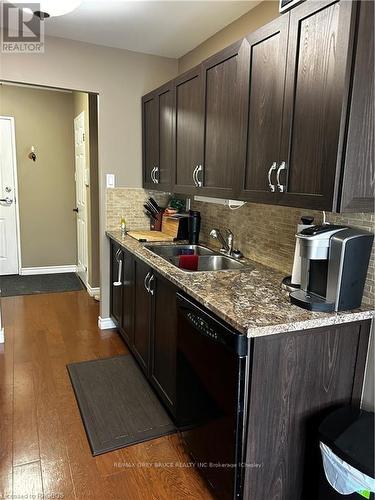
{"points": [[110, 180]]}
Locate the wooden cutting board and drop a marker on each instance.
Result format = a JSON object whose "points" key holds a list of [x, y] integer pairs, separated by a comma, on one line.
{"points": [[150, 236]]}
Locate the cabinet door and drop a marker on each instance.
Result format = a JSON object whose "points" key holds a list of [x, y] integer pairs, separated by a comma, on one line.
{"points": [[116, 284], [163, 344], [166, 118], [359, 173], [189, 129], [142, 314], [268, 53], [128, 288], [150, 140], [315, 97], [225, 83]]}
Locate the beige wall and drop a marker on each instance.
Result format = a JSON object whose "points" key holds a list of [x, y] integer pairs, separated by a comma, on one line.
{"points": [[81, 104], [44, 118], [252, 20], [120, 77]]}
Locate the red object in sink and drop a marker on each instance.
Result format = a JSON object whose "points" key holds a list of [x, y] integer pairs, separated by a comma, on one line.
{"points": [[188, 262]]}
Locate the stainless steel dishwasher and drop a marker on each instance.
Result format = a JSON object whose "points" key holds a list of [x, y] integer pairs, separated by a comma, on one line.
{"points": [[212, 366]]}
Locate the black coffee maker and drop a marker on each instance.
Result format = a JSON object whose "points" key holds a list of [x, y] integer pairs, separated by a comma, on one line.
{"points": [[194, 227]]}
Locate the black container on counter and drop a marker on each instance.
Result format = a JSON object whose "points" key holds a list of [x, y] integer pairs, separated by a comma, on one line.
{"points": [[194, 227]]}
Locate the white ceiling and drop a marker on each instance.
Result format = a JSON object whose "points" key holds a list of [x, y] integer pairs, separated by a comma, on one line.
{"points": [[165, 28]]}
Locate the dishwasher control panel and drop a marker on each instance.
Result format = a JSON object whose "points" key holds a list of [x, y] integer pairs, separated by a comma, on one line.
{"points": [[202, 325]]}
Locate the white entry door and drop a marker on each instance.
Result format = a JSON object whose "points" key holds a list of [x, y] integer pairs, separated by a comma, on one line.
{"points": [[8, 210], [81, 204]]}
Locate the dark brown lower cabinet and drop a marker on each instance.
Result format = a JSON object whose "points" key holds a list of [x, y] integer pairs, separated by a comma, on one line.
{"points": [[296, 380], [142, 314], [163, 341], [145, 313]]}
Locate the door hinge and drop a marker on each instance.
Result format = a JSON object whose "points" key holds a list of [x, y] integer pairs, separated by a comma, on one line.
{"points": [[83, 137]]}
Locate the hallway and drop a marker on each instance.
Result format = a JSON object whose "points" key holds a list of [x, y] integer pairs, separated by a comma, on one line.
{"points": [[43, 446]]}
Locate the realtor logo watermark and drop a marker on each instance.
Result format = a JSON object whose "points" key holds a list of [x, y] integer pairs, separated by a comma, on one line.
{"points": [[22, 31]]}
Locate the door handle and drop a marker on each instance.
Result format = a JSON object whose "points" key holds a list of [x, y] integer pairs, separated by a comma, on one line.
{"points": [[118, 282], [272, 168], [146, 283], [281, 187], [151, 290], [75, 210], [6, 200], [194, 176], [199, 182], [156, 172], [152, 175]]}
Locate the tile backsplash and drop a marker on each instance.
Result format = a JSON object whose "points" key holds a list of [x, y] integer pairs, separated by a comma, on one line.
{"points": [[128, 202], [264, 233]]}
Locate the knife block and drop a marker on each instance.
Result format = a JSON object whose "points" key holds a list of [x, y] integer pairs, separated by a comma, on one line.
{"points": [[155, 225], [177, 227]]}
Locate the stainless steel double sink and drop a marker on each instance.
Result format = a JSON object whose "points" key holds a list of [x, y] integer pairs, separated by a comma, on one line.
{"points": [[208, 260]]}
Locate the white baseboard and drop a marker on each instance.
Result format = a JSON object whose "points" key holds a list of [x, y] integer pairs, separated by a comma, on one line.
{"points": [[27, 271], [2, 338], [92, 291], [105, 323]]}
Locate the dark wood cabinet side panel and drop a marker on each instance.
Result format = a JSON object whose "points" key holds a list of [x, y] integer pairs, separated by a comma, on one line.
{"points": [[268, 50], [359, 170], [189, 128], [296, 379]]}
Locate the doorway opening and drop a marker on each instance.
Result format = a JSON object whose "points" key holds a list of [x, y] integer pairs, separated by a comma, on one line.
{"points": [[49, 187]]}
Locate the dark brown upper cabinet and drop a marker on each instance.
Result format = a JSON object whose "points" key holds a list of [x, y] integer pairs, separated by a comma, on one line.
{"points": [[299, 68], [283, 117], [267, 56], [316, 90], [225, 80], [158, 137], [189, 130], [211, 123]]}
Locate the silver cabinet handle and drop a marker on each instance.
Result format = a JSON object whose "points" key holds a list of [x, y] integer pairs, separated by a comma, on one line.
{"points": [[272, 168], [153, 175], [7, 200], [151, 280], [147, 283], [118, 282], [194, 176], [281, 187], [199, 182], [156, 178]]}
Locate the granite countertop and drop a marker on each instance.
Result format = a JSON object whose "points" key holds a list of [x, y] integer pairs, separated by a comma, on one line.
{"points": [[251, 300]]}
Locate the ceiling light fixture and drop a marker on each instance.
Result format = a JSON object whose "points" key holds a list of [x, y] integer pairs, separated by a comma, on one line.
{"points": [[54, 8]]}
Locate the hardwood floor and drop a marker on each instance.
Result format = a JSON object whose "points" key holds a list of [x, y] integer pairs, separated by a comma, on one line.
{"points": [[44, 452]]}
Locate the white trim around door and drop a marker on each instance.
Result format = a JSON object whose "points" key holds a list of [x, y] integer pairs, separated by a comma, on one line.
{"points": [[10, 119]]}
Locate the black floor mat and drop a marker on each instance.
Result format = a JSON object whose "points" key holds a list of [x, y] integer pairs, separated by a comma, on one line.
{"points": [[117, 405], [13, 285]]}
